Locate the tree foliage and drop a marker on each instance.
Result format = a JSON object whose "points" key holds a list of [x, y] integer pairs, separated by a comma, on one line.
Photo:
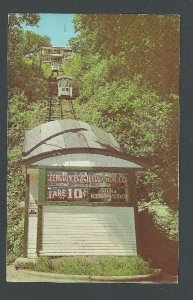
{"points": [[22, 116], [127, 72], [26, 109], [143, 44], [25, 72], [15, 22]]}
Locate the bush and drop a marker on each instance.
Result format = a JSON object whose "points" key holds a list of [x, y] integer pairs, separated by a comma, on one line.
{"points": [[43, 264], [155, 245], [21, 116], [11, 257], [99, 266]]}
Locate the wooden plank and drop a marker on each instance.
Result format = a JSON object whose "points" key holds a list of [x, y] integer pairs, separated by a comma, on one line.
{"points": [[90, 209], [90, 251], [116, 234], [84, 227], [86, 216], [84, 241], [87, 246], [86, 222], [66, 246], [97, 227], [87, 242], [96, 253]]}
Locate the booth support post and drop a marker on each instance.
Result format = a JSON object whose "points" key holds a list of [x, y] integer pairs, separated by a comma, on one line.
{"points": [[133, 195], [26, 217], [41, 200], [39, 230]]}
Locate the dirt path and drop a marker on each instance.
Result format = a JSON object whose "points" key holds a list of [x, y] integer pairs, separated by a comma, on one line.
{"points": [[21, 275], [14, 275]]}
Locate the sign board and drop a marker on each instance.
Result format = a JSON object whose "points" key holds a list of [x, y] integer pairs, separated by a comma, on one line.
{"points": [[86, 186]]}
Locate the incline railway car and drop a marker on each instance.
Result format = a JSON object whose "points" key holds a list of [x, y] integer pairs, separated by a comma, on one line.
{"points": [[64, 87], [55, 65]]}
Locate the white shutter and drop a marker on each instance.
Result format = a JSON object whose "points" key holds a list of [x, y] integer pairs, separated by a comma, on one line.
{"points": [[88, 230]]}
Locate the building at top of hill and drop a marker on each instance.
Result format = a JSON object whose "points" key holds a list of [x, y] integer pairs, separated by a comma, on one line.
{"points": [[55, 55]]}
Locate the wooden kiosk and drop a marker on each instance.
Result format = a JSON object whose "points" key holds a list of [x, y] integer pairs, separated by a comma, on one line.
{"points": [[80, 197]]}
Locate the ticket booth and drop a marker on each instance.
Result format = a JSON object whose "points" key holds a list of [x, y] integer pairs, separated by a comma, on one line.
{"points": [[80, 192]]}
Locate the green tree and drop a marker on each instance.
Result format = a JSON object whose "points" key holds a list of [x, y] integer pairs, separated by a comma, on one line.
{"points": [[127, 76], [26, 109], [25, 71], [32, 43], [15, 22], [150, 40], [22, 116]]}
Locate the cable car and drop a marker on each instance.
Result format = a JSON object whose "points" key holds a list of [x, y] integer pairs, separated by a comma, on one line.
{"points": [[55, 65], [64, 87]]}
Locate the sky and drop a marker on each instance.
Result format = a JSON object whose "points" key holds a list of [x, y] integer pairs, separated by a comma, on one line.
{"points": [[58, 27]]}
